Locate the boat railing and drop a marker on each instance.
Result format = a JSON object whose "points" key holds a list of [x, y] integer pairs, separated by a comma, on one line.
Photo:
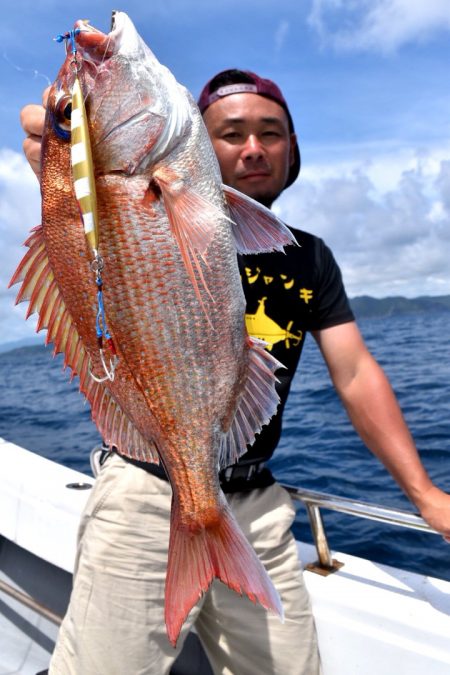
{"points": [[30, 602], [315, 501]]}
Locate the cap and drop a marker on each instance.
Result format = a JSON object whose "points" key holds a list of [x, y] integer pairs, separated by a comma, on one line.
{"points": [[244, 81]]}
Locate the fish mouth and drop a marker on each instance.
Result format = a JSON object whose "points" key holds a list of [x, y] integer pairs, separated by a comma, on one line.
{"points": [[113, 19], [97, 45], [118, 20]]}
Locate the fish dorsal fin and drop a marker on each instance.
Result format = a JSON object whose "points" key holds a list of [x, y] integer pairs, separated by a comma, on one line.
{"points": [[257, 404], [40, 288], [193, 222], [255, 228]]}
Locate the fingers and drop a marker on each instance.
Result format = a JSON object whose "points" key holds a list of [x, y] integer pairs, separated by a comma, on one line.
{"points": [[45, 94], [32, 150], [32, 119]]}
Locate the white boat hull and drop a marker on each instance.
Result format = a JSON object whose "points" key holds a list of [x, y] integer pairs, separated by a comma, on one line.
{"points": [[370, 618]]}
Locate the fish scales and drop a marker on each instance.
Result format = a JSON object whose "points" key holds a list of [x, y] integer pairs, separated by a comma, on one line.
{"points": [[171, 344], [189, 353], [190, 388]]}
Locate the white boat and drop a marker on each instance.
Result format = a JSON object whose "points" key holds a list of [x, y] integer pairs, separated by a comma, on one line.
{"points": [[371, 619]]}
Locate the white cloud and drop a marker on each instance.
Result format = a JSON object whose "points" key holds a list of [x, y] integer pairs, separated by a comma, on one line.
{"points": [[387, 222], [281, 35], [390, 234], [19, 212], [377, 25]]}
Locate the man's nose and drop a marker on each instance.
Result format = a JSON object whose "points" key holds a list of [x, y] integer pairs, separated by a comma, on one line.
{"points": [[252, 148]]}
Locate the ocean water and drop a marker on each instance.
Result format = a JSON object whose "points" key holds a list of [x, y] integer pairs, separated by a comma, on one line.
{"points": [[42, 411]]}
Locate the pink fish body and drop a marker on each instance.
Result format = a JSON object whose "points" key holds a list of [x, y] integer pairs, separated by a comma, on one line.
{"points": [[191, 388]]}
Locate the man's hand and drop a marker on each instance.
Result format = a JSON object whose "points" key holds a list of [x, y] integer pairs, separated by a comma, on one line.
{"points": [[32, 118], [434, 507]]}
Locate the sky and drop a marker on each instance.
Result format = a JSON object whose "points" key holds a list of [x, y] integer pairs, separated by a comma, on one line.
{"points": [[367, 83]]}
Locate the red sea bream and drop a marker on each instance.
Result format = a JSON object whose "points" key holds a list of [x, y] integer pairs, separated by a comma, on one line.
{"points": [[187, 386]]}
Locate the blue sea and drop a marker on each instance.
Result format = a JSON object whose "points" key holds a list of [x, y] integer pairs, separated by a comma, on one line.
{"points": [[42, 411]]}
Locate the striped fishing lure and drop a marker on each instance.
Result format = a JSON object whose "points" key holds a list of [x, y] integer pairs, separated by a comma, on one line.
{"points": [[82, 167], [84, 186]]}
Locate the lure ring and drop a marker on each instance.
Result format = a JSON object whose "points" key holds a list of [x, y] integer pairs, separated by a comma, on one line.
{"points": [[76, 65], [97, 265]]}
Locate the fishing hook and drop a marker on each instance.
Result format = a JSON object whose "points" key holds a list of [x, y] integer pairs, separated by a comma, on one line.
{"points": [[109, 371], [101, 326]]}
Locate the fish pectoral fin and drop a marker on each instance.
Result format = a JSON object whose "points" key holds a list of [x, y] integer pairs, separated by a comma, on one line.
{"points": [[219, 551], [258, 403], [193, 221], [255, 228]]}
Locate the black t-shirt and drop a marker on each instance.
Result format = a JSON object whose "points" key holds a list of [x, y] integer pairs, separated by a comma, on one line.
{"points": [[289, 294]]}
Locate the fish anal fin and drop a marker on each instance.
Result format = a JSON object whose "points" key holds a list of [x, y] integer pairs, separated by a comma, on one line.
{"points": [[220, 551], [257, 404], [256, 229], [114, 425]]}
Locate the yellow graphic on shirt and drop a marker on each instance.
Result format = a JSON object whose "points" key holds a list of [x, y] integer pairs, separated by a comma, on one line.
{"points": [[287, 284], [251, 278], [305, 294], [261, 326], [253, 275]]}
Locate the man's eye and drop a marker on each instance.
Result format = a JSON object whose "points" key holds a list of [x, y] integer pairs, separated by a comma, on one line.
{"points": [[231, 135]]}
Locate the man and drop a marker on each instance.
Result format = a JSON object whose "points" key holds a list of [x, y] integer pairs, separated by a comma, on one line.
{"points": [[115, 621]]}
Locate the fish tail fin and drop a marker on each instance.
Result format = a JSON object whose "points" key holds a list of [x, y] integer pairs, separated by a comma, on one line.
{"points": [[217, 550]]}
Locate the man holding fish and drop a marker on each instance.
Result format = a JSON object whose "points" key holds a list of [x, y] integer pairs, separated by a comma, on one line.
{"points": [[115, 621]]}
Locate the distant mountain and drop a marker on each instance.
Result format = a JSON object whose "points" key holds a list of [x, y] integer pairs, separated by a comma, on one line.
{"points": [[24, 342], [366, 306]]}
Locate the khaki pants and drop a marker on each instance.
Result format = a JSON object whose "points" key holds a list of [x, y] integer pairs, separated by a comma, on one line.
{"points": [[115, 621]]}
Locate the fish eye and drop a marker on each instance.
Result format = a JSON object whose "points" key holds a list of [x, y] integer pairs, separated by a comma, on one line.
{"points": [[62, 115], [67, 112]]}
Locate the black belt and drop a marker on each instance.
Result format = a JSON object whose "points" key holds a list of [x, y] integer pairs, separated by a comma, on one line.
{"points": [[244, 475], [245, 470]]}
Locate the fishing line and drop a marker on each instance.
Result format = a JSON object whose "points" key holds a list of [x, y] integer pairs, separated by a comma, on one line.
{"points": [[19, 69], [98, 67]]}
